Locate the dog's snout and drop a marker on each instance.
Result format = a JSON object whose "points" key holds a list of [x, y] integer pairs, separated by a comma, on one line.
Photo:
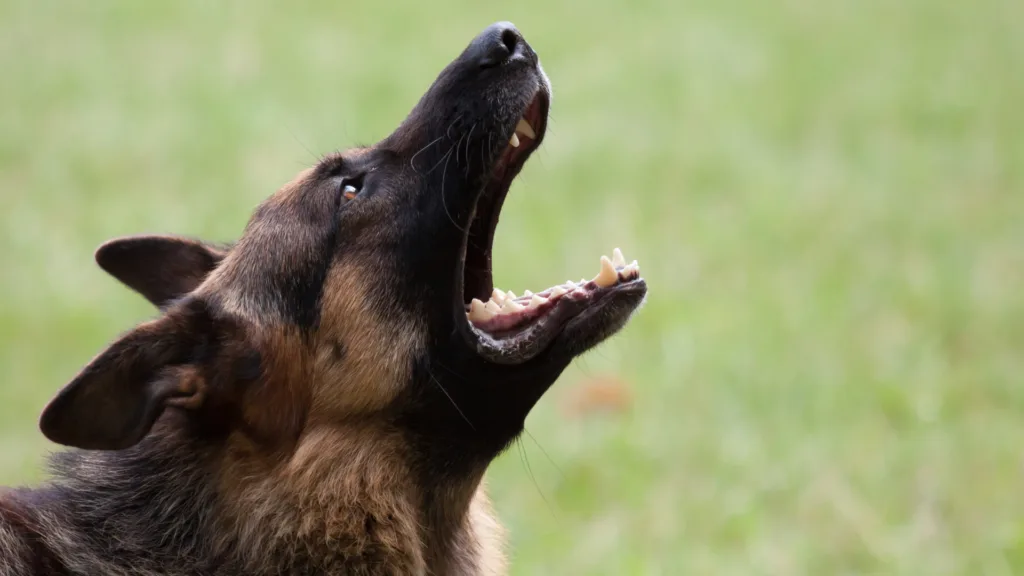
{"points": [[497, 44]]}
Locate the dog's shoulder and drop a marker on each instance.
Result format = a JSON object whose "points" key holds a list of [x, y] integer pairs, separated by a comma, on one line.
{"points": [[22, 551]]}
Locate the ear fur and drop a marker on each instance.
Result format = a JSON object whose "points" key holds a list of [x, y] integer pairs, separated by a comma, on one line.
{"points": [[118, 396], [160, 268]]}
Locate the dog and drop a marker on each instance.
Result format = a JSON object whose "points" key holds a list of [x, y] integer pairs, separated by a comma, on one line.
{"points": [[325, 394]]}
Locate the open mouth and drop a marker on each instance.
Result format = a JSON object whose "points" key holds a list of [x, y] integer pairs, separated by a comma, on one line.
{"points": [[509, 328]]}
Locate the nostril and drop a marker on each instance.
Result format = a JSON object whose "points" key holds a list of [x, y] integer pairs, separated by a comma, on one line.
{"points": [[496, 45], [510, 39], [497, 54]]}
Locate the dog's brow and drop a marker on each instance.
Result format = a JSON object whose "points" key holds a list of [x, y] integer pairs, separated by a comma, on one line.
{"points": [[331, 165]]}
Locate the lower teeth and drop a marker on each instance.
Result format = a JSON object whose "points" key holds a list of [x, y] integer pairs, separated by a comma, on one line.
{"points": [[507, 305]]}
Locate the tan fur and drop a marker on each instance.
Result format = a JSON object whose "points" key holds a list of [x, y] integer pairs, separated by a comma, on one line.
{"points": [[375, 350], [340, 480], [489, 534], [297, 408], [345, 469], [313, 475]]}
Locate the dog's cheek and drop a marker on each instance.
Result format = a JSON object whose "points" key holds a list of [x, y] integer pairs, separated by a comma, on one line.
{"points": [[364, 348], [275, 408]]}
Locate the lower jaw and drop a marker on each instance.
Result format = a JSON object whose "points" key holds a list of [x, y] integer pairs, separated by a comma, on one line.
{"points": [[512, 329], [527, 343]]}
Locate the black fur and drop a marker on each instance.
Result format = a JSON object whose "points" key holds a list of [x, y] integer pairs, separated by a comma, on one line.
{"points": [[312, 399]]}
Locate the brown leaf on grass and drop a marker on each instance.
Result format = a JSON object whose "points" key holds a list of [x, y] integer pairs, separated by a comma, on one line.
{"points": [[602, 394]]}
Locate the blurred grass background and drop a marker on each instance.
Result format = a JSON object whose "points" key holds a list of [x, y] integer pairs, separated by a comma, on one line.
{"points": [[825, 197]]}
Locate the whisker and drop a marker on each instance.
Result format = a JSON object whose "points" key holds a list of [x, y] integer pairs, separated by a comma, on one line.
{"points": [[443, 158], [450, 399], [468, 136], [444, 202], [412, 161], [524, 457], [448, 130], [483, 150], [452, 372], [462, 138], [316, 157], [560, 473]]}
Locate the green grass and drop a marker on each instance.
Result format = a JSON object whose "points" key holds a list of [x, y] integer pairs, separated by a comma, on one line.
{"points": [[826, 197]]}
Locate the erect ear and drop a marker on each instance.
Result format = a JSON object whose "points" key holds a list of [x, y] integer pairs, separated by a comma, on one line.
{"points": [[117, 397], [161, 268]]}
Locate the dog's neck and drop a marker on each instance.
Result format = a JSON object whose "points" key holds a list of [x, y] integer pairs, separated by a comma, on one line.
{"points": [[353, 487], [341, 502]]}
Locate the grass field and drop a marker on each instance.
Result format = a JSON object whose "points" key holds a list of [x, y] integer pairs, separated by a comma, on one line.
{"points": [[825, 196]]}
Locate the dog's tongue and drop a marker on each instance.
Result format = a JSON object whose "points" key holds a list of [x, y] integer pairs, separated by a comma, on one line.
{"points": [[505, 311]]}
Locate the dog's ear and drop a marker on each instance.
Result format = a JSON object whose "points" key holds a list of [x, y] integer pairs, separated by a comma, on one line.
{"points": [[118, 396], [160, 268]]}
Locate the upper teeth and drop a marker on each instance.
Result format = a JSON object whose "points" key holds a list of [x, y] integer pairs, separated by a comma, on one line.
{"points": [[524, 127]]}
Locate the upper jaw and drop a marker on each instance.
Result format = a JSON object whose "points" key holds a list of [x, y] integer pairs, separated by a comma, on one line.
{"points": [[525, 133], [515, 142]]}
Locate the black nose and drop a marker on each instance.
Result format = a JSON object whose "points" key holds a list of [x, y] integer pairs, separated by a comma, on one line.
{"points": [[497, 44]]}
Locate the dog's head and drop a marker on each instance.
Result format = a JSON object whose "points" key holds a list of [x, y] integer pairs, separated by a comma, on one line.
{"points": [[363, 288]]}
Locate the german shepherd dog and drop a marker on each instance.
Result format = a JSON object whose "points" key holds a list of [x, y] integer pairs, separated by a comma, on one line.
{"points": [[324, 395]]}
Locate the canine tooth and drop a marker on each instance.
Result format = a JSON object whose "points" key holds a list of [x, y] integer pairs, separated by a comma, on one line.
{"points": [[478, 312], [557, 291], [514, 140], [527, 293], [498, 296], [569, 284], [492, 307], [537, 301], [618, 260], [527, 130], [510, 295], [607, 276], [511, 306]]}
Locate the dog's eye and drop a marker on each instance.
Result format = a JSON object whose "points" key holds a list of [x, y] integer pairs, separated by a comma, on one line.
{"points": [[350, 187]]}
